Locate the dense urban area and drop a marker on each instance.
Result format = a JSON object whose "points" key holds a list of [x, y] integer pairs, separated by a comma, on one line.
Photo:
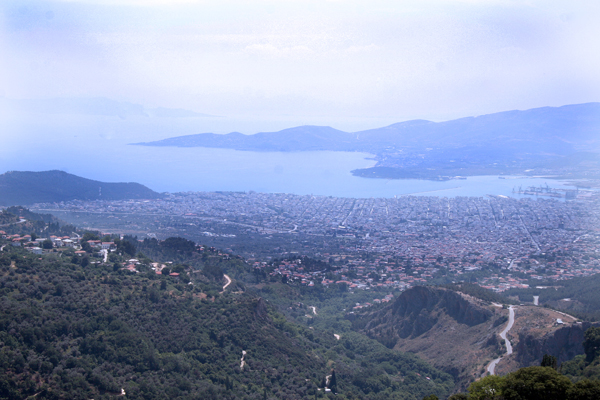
{"points": [[394, 243]]}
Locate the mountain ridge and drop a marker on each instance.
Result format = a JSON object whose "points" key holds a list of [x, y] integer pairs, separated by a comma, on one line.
{"points": [[27, 187], [552, 128], [510, 142]]}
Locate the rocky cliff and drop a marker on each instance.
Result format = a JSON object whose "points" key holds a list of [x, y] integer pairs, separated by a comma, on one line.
{"points": [[449, 329], [563, 343], [419, 309]]}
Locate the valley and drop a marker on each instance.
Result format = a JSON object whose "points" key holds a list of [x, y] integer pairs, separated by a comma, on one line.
{"points": [[299, 200], [426, 294]]}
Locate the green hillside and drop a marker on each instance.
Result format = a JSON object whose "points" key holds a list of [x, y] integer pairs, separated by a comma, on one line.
{"points": [[577, 379], [72, 327], [24, 188], [577, 296]]}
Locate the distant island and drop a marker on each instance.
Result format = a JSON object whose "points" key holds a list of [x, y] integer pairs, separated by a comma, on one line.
{"points": [[561, 141], [24, 188]]}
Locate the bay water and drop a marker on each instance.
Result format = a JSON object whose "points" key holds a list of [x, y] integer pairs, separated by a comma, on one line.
{"points": [[99, 148]]}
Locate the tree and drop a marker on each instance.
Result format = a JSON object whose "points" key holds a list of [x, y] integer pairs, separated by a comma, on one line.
{"points": [[535, 383], [85, 246], [584, 390], [47, 244], [459, 396], [89, 236], [591, 344], [113, 257], [549, 361], [431, 397], [333, 381], [125, 247], [213, 271], [489, 387]]}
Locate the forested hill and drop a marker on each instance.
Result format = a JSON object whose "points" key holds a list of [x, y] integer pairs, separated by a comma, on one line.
{"points": [[24, 188], [75, 327]]}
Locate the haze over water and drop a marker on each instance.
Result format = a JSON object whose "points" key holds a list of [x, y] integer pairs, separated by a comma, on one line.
{"points": [[97, 148], [351, 65]]}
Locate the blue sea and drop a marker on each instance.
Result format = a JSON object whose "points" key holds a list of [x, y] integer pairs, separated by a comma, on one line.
{"points": [[98, 148]]}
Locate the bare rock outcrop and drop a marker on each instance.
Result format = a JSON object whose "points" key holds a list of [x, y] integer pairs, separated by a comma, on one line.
{"points": [[453, 331], [563, 343]]}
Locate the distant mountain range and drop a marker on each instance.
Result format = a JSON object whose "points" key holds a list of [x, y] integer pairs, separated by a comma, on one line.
{"points": [[97, 106], [558, 130], [24, 188], [534, 141]]}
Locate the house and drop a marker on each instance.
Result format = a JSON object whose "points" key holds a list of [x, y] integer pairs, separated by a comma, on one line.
{"points": [[107, 245], [36, 250], [131, 268]]}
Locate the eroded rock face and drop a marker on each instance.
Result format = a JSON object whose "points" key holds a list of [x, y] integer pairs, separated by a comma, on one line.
{"points": [[448, 329], [418, 309], [563, 343]]}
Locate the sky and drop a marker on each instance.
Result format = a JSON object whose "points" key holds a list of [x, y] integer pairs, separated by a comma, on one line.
{"points": [[305, 59]]}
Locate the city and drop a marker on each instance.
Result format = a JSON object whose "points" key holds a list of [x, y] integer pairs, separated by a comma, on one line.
{"points": [[388, 243]]}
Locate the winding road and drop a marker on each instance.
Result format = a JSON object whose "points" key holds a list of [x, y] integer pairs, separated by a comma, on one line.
{"points": [[511, 320], [22, 220], [228, 282]]}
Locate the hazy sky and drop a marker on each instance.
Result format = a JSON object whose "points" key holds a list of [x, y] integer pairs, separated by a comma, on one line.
{"points": [[435, 59]]}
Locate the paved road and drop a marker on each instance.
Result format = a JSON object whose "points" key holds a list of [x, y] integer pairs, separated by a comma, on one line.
{"points": [[228, 279], [20, 222], [511, 321], [529, 234], [242, 362]]}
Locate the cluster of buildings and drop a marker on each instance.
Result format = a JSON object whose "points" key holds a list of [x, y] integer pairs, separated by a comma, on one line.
{"points": [[39, 245], [389, 242]]}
